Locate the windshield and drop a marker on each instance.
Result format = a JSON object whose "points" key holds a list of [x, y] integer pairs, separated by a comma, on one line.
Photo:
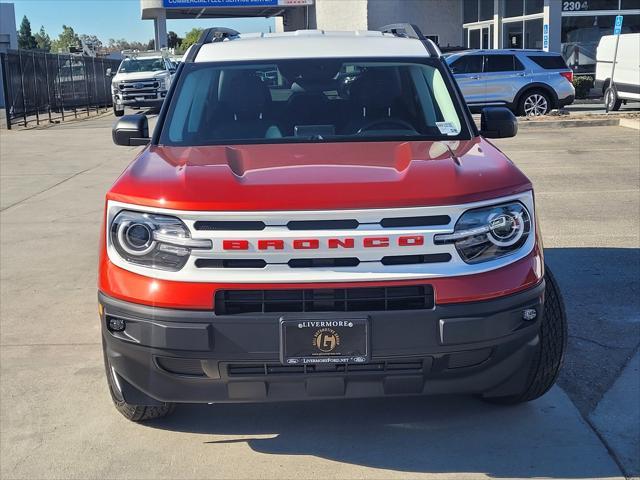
{"points": [[311, 100], [130, 65]]}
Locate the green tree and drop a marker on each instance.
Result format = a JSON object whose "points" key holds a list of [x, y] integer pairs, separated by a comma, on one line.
{"points": [[43, 41], [25, 38], [173, 40], [190, 38], [67, 39], [92, 41], [116, 45]]}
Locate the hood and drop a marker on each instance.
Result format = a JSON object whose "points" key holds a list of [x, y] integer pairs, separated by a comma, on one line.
{"points": [[318, 176]]}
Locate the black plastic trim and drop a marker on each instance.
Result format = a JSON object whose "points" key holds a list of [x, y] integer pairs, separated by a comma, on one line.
{"points": [[232, 226], [230, 263], [323, 225], [488, 349], [434, 220], [324, 262], [416, 259]]}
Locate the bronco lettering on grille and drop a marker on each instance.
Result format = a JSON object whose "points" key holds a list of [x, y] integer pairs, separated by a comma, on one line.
{"points": [[332, 243]]}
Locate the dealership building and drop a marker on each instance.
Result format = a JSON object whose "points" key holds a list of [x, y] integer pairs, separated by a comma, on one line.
{"points": [[571, 27]]}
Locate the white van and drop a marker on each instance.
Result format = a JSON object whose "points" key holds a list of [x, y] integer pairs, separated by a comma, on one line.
{"points": [[626, 85]]}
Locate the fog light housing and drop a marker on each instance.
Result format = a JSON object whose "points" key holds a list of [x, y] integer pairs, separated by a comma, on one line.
{"points": [[529, 314], [116, 324]]}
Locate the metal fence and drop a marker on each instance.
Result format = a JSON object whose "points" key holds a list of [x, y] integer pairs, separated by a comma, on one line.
{"points": [[42, 86]]}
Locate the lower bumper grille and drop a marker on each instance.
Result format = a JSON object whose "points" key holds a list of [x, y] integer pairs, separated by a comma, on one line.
{"points": [[234, 302], [268, 369]]}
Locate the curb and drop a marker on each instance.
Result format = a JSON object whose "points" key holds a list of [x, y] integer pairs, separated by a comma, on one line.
{"points": [[630, 123], [599, 122]]}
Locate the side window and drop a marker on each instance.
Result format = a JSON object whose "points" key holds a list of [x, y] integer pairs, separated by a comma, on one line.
{"points": [[467, 64], [499, 63], [549, 62]]}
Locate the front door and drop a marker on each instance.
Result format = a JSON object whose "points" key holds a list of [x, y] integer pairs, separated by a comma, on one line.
{"points": [[504, 77], [468, 73]]}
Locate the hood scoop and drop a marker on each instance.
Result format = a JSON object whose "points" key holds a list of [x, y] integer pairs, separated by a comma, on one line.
{"points": [[241, 161]]}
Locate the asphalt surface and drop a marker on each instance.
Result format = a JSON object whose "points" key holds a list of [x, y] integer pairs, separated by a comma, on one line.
{"points": [[596, 106], [56, 419]]}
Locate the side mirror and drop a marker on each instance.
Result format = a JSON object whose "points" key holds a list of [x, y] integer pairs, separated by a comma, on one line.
{"points": [[498, 122], [131, 131], [109, 72]]}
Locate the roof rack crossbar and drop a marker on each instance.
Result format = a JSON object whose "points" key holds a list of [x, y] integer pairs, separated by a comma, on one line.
{"points": [[410, 30], [211, 35]]}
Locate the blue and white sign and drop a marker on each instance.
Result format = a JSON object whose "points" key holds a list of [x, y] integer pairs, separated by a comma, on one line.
{"points": [[233, 3], [617, 29], [545, 37]]}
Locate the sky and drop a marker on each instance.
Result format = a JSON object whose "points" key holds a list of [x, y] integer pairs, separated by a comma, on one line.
{"points": [[113, 19]]}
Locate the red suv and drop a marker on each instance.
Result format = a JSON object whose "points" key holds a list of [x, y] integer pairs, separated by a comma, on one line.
{"points": [[316, 216]]}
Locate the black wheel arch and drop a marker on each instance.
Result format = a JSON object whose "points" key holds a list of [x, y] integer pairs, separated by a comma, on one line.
{"points": [[553, 96]]}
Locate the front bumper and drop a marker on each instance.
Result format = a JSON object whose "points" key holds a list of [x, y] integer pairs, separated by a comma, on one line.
{"points": [[182, 356], [122, 101]]}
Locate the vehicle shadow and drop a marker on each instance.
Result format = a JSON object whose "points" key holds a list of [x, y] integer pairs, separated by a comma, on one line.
{"points": [[415, 435], [601, 291], [449, 434]]}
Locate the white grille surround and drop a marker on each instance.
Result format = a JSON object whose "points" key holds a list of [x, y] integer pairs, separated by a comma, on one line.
{"points": [[277, 269]]}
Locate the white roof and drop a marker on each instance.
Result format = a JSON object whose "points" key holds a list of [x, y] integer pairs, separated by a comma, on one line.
{"points": [[311, 44]]}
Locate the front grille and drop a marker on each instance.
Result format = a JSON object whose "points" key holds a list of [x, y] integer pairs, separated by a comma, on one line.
{"points": [[323, 262], [235, 302], [434, 220], [312, 225], [229, 226], [139, 84], [273, 369], [231, 263], [133, 89], [416, 259], [323, 225]]}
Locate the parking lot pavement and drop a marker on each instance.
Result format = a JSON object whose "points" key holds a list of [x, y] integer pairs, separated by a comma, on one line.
{"points": [[597, 106], [617, 417], [56, 419]]}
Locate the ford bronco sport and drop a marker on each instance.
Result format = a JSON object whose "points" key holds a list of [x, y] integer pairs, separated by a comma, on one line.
{"points": [[316, 216]]}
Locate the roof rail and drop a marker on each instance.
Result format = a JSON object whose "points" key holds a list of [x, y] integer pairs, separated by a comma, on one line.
{"points": [[211, 35], [409, 30]]}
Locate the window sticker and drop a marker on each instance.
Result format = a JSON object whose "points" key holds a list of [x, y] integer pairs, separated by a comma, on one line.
{"points": [[447, 128]]}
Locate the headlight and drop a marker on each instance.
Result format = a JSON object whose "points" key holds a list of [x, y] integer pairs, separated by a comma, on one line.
{"points": [[488, 233], [156, 241]]}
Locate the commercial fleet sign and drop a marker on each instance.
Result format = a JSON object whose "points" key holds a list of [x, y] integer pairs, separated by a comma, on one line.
{"points": [[234, 3]]}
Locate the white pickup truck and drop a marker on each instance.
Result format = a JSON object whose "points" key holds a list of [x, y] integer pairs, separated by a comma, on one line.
{"points": [[142, 80]]}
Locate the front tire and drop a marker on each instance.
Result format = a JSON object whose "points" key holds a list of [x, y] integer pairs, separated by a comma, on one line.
{"points": [[549, 356], [534, 103], [118, 113], [611, 100], [135, 413]]}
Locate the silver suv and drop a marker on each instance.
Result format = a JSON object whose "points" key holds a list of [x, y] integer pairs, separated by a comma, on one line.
{"points": [[529, 82]]}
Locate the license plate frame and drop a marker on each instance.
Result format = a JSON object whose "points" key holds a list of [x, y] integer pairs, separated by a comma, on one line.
{"points": [[305, 341]]}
